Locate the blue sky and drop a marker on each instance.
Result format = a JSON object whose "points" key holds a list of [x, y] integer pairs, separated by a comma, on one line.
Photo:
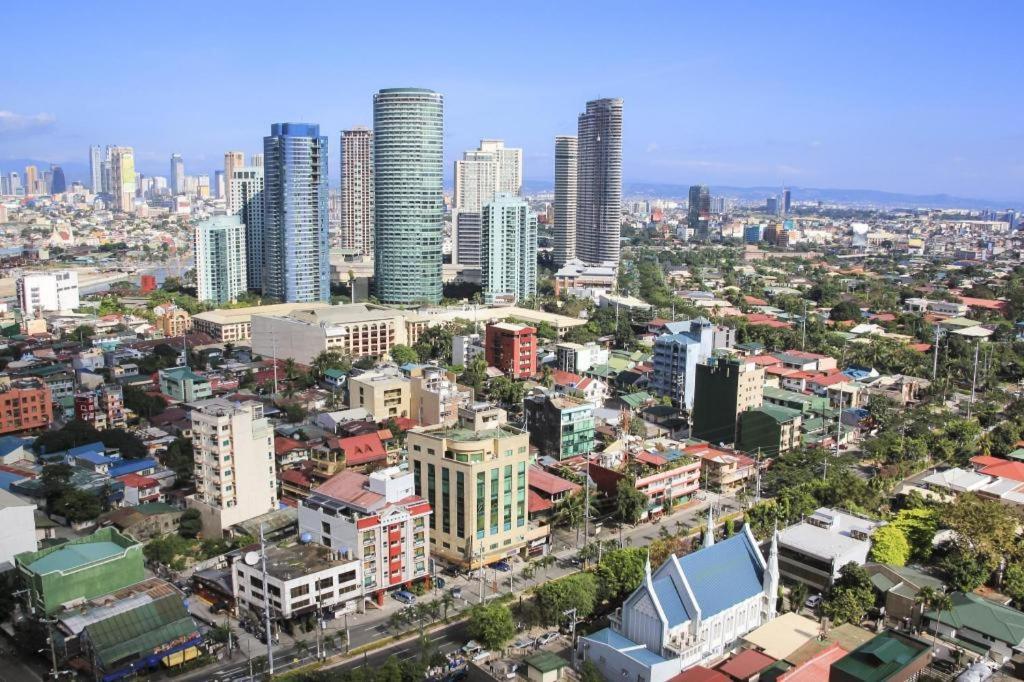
{"points": [[906, 96]]}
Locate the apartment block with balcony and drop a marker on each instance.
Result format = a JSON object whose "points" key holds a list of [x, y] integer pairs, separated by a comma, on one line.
{"points": [[235, 468], [103, 407], [25, 405], [436, 396], [677, 353], [560, 426], [376, 519], [512, 348]]}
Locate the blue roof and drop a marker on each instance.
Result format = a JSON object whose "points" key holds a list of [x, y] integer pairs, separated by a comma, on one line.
{"points": [[9, 444], [7, 478], [724, 574], [130, 466], [671, 601], [85, 451], [625, 646]]}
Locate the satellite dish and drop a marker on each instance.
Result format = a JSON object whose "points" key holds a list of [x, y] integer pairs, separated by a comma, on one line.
{"points": [[251, 558]]}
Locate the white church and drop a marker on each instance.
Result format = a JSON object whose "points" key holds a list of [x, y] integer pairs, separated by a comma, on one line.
{"points": [[691, 610]]}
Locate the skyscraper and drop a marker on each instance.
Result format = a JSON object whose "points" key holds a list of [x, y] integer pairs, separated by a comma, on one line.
{"points": [[106, 171], [246, 192], [698, 214], [220, 259], [787, 199], [257, 161], [177, 175], [357, 190], [95, 169], [468, 238], [31, 180], [408, 134], [14, 182], [566, 161], [122, 177], [58, 183], [295, 221], [599, 197], [232, 160], [482, 173], [509, 235]]}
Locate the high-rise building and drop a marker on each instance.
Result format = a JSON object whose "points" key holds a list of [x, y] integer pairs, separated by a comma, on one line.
{"points": [[771, 206], [677, 352], [219, 185], [561, 426], [698, 215], [14, 180], [468, 238], [219, 249], [512, 348], [232, 160], [246, 193], [724, 388], [566, 162], [235, 472], [482, 173], [599, 177], [295, 221], [509, 249], [408, 129], [31, 180], [95, 169], [5, 185], [357, 190], [787, 201], [177, 174], [122, 177], [106, 171], [257, 161], [58, 184]]}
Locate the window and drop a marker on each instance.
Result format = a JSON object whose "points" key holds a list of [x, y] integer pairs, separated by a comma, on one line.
{"points": [[430, 494], [255, 582], [494, 500], [325, 582], [299, 591], [326, 527], [460, 504]]}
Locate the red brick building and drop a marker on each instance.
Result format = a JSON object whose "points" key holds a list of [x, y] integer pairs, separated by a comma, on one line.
{"points": [[25, 405], [512, 348]]}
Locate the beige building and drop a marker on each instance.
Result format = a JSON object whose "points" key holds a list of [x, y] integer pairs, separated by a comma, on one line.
{"points": [[122, 177], [476, 481], [383, 392], [232, 162], [357, 212], [235, 470], [436, 396], [357, 330], [235, 324], [174, 322]]}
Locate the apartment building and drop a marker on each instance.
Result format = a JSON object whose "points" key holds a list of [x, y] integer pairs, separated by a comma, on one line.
{"points": [[512, 348], [724, 388], [677, 353], [436, 396], [174, 322], [560, 426], [103, 407], [39, 291], [384, 392], [25, 404]]}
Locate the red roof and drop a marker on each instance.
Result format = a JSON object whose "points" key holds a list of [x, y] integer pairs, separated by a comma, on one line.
{"points": [[763, 360], [549, 483], [137, 481], [754, 300], [563, 378], [361, 449], [650, 458], [983, 303], [746, 664], [536, 503], [284, 445], [816, 668], [349, 486], [296, 477], [404, 423], [987, 460], [883, 317], [920, 347], [829, 379], [1011, 470], [699, 673]]}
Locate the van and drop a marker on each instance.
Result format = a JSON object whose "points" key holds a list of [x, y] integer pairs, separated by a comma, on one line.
{"points": [[405, 596]]}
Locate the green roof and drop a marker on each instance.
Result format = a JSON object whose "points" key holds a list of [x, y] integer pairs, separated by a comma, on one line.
{"points": [[1017, 454], [334, 373], [546, 662], [994, 620], [881, 657], [779, 414], [635, 400], [958, 322], [152, 508], [76, 556], [138, 632]]}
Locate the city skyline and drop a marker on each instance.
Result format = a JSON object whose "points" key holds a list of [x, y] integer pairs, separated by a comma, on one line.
{"points": [[802, 95]]}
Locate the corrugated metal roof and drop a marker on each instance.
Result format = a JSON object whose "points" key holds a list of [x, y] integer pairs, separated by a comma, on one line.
{"points": [[140, 631]]}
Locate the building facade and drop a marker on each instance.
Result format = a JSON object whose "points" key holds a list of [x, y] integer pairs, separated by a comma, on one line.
{"points": [[220, 255], [408, 144], [436, 396], [357, 223], [384, 393], [512, 348], [698, 213], [560, 426], [177, 175], [566, 187], [25, 404], [468, 238], [95, 169], [599, 178], [40, 291], [723, 389], [245, 190], [232, 162], [509, 250], [122, 177], [295, 219], [677, 353]]}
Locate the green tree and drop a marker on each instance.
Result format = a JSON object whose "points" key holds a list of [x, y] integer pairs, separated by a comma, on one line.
{"points": [[966, 572], [890, 546], [578, 591], [77, 505], [630, 503], [1013, 581], [475, 374], [190, 524], [143, 404], [491, 624], [852, 595], [981, 527], [435, 343], [620, 572], [590, 673], [919, 525], [330, 359], [845, 310], [797, 596], [403, 354]]}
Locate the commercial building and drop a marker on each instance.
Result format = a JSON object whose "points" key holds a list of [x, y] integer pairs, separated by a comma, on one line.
{"points": [[474, 476], [769, 429], [174, 322], [177, 175], [566, 193], [183, 385], [357, 194], [25, 404], [235, 471], [408, 202], [469, 248], [220, 254], [814, 550], [599, 188], [677, 353], [698, 213], [301, 579], [17, 529], [724, 470], [122, 177], [235, 324], [724, 388], [384, 392], [81, 568], [378, 520], [39, 291], [245, 190], [436, 396], [512, 348], [295, 220], [560, 426], [577, 278], [95, 170], [509, 249]]}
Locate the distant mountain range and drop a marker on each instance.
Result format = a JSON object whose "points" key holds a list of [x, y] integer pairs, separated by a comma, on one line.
{"points": [[868, 198]]}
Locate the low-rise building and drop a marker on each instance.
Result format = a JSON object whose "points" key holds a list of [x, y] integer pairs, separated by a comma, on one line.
{"points": [[357, 330], [102, 407], [978, 624], [891, 656], [512, 348], [384, 392], [235, 324], [184, 385], [769, 429], [814, 550], [174, 321], [17, 528], [725, 471], [25, 404], [436, 396]]}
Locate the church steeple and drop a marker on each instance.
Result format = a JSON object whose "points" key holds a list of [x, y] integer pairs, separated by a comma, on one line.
{"points": [[709, 536], [771, 577]]}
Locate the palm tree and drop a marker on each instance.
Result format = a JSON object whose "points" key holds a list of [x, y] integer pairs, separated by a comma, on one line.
{"points": [[925, 597], [289, 368], [797, 596], [447, 601], [941, 602]]}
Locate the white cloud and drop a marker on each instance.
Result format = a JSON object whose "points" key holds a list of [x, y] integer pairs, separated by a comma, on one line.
{"points": [[652, 147], [11, 122]]}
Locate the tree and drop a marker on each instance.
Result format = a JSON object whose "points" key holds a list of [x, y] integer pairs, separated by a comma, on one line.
{"points": [[403, 354], [578, 591], [852, 595], [77, 505], [508, 392], [889, 546], [435, 343], [966, 572], [190, 524], [797, 596], [491, 624], [143, 404], [630, 503], [330, 359], [179, 458], [620, 572], [475, 374], [981, 527], [1013, 581], [845, 310], [590, 673], [919, 526], [571, 511]]}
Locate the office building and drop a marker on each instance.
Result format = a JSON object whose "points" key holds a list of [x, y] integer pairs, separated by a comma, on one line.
{"points": [[560, 426], [383, 392], [177, 175], [220, 254], [235, 470], [566, 160], [772, 206], [724, 388], [787, 201], [219, 186], [408, 204], [122, 177], [246, 196], [256, 160], [58, 183], [578, 358], [295, 221], [468, 238], [31, 180], [512, 348], [476, 482], [509, 249], [599, 178], [698, 214], [14, 183], [677, 352], [378, 520], [95, 169], [47, 291], [357, 190], [232, 162], [752, 234]]}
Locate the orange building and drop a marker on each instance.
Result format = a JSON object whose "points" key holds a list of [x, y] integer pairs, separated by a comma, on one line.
{"points": [[512, 348], [25, 404]]}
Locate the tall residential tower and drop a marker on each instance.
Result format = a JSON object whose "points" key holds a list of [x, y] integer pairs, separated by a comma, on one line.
{"points": [[509, 268], [95, 169], [122, 177], [220, 259], [177, 178], [232, 161], [245, 191], [599, 198], [357, 190], [566, 160]]}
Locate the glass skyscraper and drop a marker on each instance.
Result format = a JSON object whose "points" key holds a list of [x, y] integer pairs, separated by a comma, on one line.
{"points": [[295, 220], [599, 177], [409, 208], [58, 184]]}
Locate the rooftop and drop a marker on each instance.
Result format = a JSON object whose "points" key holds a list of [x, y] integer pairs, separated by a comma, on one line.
{"points": [[882, 657], [287, 562], [72, 557]]}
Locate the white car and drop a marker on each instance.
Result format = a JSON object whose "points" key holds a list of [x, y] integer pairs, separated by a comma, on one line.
{"points": [[813, 602], [547, 637], [481, 656], [524, 643]]}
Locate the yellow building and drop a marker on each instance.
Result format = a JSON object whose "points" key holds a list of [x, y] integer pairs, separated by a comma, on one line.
{"points": [[175, 322], [383, 392]]}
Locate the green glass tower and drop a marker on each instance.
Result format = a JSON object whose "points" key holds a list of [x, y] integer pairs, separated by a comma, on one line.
{"points": [[408, 128]]}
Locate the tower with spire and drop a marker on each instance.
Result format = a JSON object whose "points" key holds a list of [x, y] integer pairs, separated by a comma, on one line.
{"points": [[709, 536], [771, 578]]}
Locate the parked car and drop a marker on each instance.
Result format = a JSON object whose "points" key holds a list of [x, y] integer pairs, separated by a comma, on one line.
{"points": [[452, 571], [502, 566], [219, 606], [813, 602], [547, 637], [457, 592], [523, 643], [439, 583], [405, 596]]}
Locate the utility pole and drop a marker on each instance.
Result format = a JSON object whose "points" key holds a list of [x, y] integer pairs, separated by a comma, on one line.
{"points": [[266, 598], [53, 649], [348, 644], [803, 327], [974, 379], [586, 508], [572, 636], [273, 336], [757, 477], [935, 353]]}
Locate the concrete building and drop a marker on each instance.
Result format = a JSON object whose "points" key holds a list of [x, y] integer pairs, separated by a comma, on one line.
{"points": [[357, 194], [578, 358], [468, 238], [384, 392], [102, 407], [183, 385], [122, 177], [509, 250], [814, 550], [465, 348], [17, 529], [378, 520], [245, 190], [177, 178], [235, 324], [769, 430], [560, 426], [677, 353], [577, 278], [25, 404], [476, 481], [39, 291], [235, 471], [232, 161], [174, 322], [95, 171], [599, 178], [512, 348], [301, 579], [483, 173], [724, 388], [220, 252], [436, 396], [566, 188]]}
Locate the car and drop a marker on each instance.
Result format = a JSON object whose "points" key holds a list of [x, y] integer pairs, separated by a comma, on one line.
{"points": [[451, 571], [219, 606], [813, 602], [405, 596], [481, 655], [457, 592], [439, 583], [547, 637], [502, 566], [523, 643]]}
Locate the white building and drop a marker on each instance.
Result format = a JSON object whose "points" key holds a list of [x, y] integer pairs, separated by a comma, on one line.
{"points": [[378, 520], [245, 194], [578, 358], [220, 259], [508, 270], [465, 348], [17, 528], [301, 579], [480, 175], [814, 550], [40, 291], [235, 471]]}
